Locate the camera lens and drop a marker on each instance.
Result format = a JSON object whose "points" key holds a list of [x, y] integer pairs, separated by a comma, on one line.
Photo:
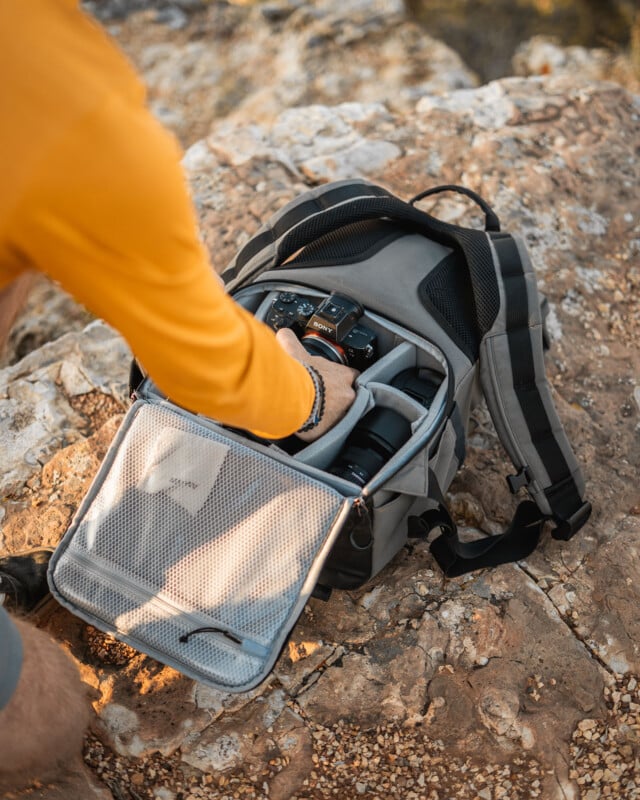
{"points": [[317, 345], [373, 441], [420, 384]]}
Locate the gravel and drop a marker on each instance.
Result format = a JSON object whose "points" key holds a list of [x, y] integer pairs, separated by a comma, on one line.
{"points": [[605, 753], [387, 762], [393, 761]]}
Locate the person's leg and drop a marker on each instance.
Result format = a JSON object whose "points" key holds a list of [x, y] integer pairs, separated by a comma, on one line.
{"points": [[43, 723]]}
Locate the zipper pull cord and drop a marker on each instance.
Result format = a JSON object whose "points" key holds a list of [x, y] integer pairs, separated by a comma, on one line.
{"points": [[186, 636]]}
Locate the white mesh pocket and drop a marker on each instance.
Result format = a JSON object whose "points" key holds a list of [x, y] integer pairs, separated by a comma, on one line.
{"points": [[196, 549]]}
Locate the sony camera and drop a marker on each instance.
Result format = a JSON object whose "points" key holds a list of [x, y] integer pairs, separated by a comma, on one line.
{"points": [[329, 328]]}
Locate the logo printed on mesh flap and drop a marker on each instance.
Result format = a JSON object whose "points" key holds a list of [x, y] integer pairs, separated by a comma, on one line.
{"points": [[183, 466]]}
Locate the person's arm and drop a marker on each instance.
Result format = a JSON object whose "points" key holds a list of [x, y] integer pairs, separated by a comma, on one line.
{"points": [[110, 218]]}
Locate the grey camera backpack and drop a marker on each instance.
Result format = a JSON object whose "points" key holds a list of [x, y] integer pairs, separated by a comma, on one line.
{"points": [[472, 296], [200, 545]]}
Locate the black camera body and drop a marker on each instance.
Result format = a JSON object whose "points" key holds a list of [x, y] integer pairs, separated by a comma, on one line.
{"points": [[329, 328]]}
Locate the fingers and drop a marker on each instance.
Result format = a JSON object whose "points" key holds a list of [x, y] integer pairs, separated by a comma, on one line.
{"points": [[292, 345], [338, 381]]}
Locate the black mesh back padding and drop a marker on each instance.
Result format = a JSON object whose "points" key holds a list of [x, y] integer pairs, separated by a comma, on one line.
{"points": [[485, 284], [447, 295], [347, 245]]}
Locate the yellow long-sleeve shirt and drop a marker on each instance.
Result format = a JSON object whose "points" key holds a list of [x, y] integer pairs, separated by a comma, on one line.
{"points": [[94, 196]]}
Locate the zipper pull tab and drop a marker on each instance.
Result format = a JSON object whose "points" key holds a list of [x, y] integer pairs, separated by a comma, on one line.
{"points": [[361, 534]]}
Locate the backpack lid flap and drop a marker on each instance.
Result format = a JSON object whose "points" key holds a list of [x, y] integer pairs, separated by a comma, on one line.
{"points": [[168, 551]]}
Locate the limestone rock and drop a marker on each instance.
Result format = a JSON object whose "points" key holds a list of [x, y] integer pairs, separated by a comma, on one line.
{"points": [[253, 61], [544, 55], [316, 142], [49, 313], [38, 394]]}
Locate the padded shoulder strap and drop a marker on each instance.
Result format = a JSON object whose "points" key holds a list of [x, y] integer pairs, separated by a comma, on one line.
{"points": [[264, 250], [514, 382], [513, 379]]}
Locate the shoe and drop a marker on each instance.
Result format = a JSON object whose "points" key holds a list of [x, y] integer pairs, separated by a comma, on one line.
{"points": [[23, 578]]}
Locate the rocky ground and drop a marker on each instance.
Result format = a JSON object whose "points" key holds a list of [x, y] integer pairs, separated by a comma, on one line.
{"points": [[511, 683]]}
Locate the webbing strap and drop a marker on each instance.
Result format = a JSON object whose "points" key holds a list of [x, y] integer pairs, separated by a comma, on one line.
{"points": [[456, 557], [516, 543], [538, 446]]}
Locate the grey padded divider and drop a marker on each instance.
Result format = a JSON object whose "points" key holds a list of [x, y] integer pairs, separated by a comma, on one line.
{"points": [[496, 372], [411, 479], [409, 474], [403, 356], [390, 397], [324, 450]]}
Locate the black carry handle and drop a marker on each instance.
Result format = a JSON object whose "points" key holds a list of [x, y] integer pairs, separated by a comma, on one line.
{"points": [[384, 205], [491, 221]]}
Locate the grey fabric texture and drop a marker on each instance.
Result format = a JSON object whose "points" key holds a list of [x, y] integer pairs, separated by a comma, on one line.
{"points": [[10, 657]]}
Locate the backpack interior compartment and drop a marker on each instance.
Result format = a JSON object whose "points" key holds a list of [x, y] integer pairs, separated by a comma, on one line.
{"points": [[398, 351]]}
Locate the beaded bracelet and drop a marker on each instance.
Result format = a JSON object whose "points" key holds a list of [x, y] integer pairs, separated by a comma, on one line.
{"points": [[317, 410]]}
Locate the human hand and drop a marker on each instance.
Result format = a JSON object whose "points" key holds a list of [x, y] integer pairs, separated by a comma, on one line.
{"points": [[338, 383]]}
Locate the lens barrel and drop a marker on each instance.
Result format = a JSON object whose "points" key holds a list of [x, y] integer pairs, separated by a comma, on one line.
{"points": [[378, 435]]}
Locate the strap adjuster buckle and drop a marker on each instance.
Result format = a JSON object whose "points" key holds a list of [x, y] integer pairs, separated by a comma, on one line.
{"points": [[519, 480], [567, 528]]}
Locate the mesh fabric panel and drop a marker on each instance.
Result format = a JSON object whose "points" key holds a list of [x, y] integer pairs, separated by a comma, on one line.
{"points": [[189, 529], [448, 296], [352, 243]]}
